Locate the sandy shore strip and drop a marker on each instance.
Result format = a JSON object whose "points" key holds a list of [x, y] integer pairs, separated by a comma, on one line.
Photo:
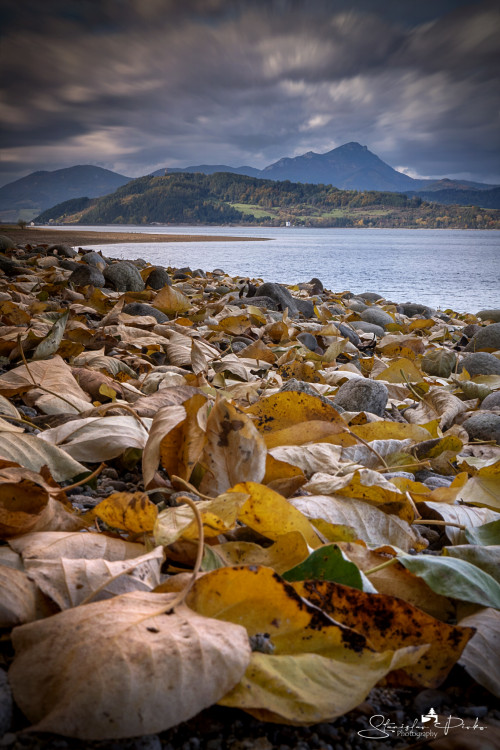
{"points": [[74, 237]]}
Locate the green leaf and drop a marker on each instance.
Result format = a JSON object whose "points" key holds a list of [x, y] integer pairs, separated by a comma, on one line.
{"points": [[488, 533], [486, 558], [326, 564], [50, 344], [211, 560], [454, 578]]}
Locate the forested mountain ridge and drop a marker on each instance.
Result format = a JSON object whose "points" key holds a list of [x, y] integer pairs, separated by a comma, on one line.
{"points": [[226, 198]]}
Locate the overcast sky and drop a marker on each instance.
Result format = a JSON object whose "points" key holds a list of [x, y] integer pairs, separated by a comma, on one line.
{"points": [[134, 85]]}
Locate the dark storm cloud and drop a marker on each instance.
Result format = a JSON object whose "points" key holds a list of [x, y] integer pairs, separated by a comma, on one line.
{"points": [[138, 84]]}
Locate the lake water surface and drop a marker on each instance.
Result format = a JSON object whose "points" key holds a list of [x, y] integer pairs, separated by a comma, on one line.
{"points": [[443, 268]]}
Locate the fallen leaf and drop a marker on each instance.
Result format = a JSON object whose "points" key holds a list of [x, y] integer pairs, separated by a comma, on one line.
{"points": [[483, 651], [51, 545], [131, 511], [160, 669], [33, 453], [50, 344], [437, 403], [233, 452]]}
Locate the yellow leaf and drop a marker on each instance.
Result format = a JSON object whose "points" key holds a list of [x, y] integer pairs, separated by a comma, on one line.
{"points": [[234, 324], [132, 511], [395, 430], [258, 351], [169, 300], [289, 550], [309, 688], [272, 515], [218, 515], [181, 447], [483, 488], [421, 324], [401, 370], [300, 371], [368, 486]]}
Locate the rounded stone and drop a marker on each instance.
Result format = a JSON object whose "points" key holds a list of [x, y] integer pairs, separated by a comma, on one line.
{"points": [[480, 363], [362, 394], [492, 401], [85, 275], [357, 305], [5, 242], [377, 316], [124, 277], [141, 309], [487, 339], [284, 299], [370, 296], [301, 386], [414, 309], [362, 325], [6, 704], [94, 259], [483, 426], [158, 278], [66, 251], [308, 340], [493, 314], [348, 333]]}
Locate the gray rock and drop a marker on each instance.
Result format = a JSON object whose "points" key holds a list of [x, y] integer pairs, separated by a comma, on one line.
{"points": [[222, 289], [85, 275], [180, 276], [413, 309], [265, 302], [362, 325], [362, 394], [488, 338], [199, 273], [430, 698], [483, 426], [158, 278], [348, 333], [308, 340], [432, 479], [370, 296], [480, 363], [124, 277], [69, 265], [440, 362], [66, 251], [141, 309], [317, 285], [470, 330], [394, 474], [336, 309], [493, 314], [6, 704], [6, 242], [377, 316], [492, 401], [357, 305], [94, 259], [9, 267], [284, 299], [301, 386]]}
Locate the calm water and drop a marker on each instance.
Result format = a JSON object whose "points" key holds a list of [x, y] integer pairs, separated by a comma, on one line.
{"points": [[442, 268]]}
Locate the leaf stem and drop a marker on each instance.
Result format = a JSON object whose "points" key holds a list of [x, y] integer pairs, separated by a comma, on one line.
{"points": [[381, 566], [430, 522]]}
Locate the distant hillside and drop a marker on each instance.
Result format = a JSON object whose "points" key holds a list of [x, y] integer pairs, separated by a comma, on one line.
{"points": [[222, 198], [483, 198], [27, 197]]}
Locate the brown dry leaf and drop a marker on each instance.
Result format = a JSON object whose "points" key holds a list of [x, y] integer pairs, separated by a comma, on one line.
{"points": [[396, 580], [369, 523], [160, 669], [368, 486], [457, 514], [483, 651], [170, 301], [403, 625], [96, 439], [258, 351], [131, 511], [54, 375], [24, 497], [19, 598], [51, 545], [68, 582], [234, 450], [437, 403], [182, 446], [289, 408], [311, 458], [32, 453], [166, 421]]}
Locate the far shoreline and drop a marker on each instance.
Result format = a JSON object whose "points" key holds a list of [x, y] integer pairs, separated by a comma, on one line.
{"points": [[46, 235]]}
